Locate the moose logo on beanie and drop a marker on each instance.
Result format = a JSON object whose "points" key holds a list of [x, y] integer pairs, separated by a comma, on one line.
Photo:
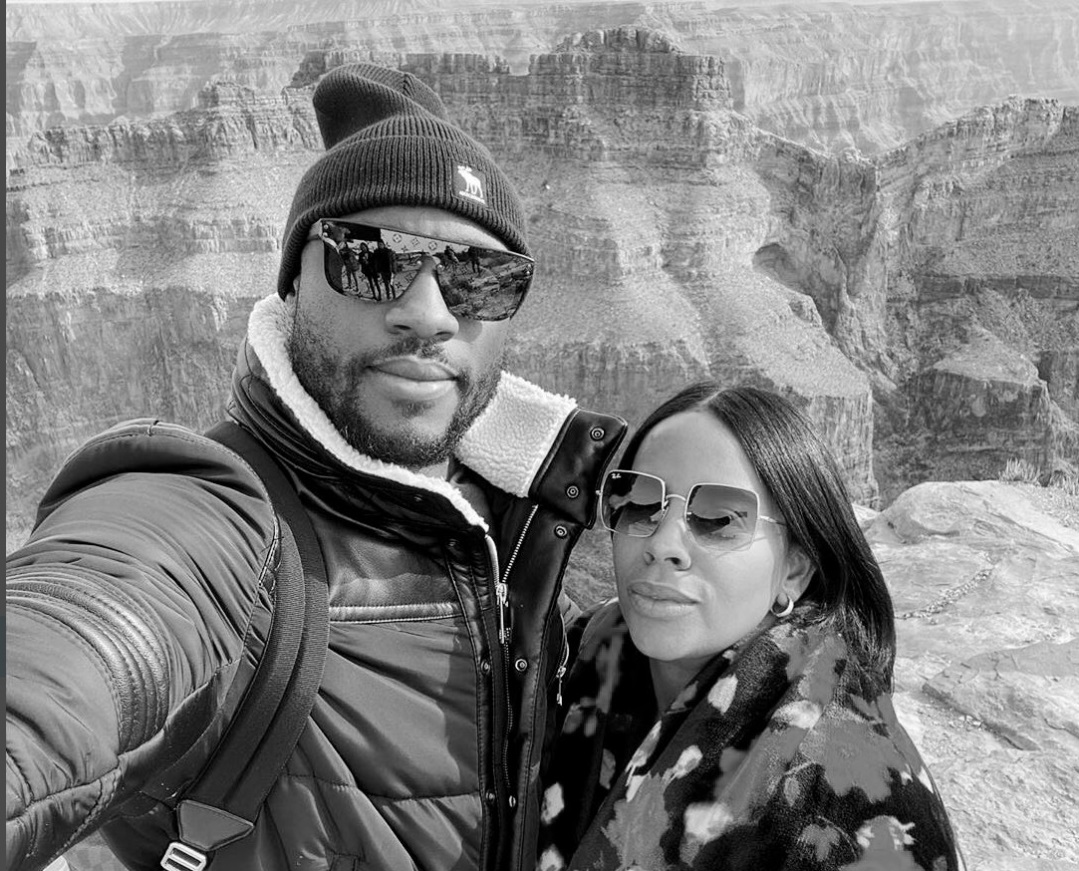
{"points": [[389, 143], [470, 184]]}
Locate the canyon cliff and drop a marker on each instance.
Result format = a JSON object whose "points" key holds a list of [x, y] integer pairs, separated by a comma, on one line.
{"points": [[676, 237], [870, 74]]}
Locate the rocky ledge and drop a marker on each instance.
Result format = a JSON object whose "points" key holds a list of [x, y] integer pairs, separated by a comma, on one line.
{"points": [[985, 586]]}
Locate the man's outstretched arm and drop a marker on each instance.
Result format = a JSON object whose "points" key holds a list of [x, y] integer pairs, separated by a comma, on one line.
{"points": [[127, 612]]}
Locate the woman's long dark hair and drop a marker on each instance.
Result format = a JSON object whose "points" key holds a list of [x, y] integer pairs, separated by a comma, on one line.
{"points": [[807, 487]]}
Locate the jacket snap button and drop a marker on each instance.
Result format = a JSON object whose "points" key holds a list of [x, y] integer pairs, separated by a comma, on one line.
{"points": [[485, 666], [573, 491], [490, 796], [597, 433], [512, 802], [560, 531], [521, 665]]}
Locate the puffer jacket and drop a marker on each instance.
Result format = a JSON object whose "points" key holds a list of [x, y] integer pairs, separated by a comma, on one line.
{"points": [[138, 608]]}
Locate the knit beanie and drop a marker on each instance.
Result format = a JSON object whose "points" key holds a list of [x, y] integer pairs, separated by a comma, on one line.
{"points": [[388, 143]]}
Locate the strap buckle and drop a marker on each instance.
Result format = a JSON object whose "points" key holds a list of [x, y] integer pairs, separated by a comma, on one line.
{"points": [[182, 857]]}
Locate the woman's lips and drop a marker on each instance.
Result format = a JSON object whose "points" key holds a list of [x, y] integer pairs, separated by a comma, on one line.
{"points": [[659, 600], [660, 592]]}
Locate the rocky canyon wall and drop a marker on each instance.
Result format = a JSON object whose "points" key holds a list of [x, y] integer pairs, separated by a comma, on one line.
{"points": [[867, 74], [675, 238], [983, 292], [873, 75]]}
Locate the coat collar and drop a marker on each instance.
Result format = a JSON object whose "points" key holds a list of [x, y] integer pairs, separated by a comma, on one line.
{"points": [[507, 444]]}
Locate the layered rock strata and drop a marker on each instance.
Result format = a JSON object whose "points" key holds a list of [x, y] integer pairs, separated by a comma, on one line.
{"points": [[675, 240], [866, 74], [644, 244]]}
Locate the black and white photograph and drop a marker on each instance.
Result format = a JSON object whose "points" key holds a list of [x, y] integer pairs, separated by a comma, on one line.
{"points": [[557, 436]]}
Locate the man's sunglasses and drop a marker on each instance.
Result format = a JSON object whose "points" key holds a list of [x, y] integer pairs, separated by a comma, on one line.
{"points": [[378, 264], [718, 517]]}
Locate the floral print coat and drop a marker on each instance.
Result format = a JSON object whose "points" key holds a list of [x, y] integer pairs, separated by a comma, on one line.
{"points": [[783, 753]]}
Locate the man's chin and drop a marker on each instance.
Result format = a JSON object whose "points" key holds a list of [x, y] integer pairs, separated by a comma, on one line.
{"points": [[410, 445], [415, 431], [426, 419], [414, 434], [412, 431]]}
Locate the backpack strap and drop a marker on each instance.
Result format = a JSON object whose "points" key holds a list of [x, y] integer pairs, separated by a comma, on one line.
{"points": [[222, 804]]}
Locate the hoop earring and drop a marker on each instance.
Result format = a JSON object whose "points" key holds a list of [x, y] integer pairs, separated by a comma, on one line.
{"points": [[785, 610]]}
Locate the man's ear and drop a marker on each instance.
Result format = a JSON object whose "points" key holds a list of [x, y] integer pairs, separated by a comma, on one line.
{"points": [[800, 571]]}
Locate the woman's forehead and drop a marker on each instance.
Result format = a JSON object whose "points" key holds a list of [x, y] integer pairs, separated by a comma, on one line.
{"points": [[694, 446]]}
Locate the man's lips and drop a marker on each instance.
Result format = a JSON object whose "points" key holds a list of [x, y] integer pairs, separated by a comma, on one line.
{"points": [[416, 369], [660, 593]]}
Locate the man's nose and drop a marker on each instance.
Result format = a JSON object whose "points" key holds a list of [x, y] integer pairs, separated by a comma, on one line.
{"points": [[420, 309]]}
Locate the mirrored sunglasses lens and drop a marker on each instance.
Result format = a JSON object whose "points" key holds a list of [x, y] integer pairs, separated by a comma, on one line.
{"points": [[476, 283], [722, 517], [484, 285], [631, 504], [347, 271]]}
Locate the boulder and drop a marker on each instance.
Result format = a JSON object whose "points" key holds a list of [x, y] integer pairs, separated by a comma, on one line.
{"points": [[981, 406]]}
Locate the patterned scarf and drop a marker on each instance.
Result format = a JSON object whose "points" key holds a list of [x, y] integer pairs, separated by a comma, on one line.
{"points": [[781, 754]]}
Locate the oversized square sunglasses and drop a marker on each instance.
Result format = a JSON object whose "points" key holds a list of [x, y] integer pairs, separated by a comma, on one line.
{"points": [[719, 517], [378, 264]]}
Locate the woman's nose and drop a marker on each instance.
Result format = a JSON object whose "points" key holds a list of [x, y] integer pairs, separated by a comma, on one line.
{"points": [[669, 543]]}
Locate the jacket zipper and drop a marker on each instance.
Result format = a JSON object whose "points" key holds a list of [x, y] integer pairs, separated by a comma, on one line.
{"points": [[502, 588], [502, 596]]}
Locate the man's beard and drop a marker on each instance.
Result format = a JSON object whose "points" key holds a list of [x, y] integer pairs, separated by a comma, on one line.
{"points": [[333, 383]]}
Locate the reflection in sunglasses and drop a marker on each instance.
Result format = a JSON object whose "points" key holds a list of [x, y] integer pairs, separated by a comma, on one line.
{"points": [[476, 282]]}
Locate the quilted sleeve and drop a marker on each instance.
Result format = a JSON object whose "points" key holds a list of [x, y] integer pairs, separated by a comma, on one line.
{"points": [[128, 611]]}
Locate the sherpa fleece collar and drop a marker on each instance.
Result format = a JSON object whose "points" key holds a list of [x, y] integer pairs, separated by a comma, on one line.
{"points": [[507, 444]]}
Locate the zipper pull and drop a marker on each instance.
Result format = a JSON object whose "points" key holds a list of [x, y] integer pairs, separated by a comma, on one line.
{"points": [[502, 590], [561, 672], [502, 594]]}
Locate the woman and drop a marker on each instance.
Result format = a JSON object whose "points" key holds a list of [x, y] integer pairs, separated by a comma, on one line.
{"points": [[731, 709]]}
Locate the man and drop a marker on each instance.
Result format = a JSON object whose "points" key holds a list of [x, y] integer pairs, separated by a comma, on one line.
{"points": [[445, 497], [382, 262], [336, 236], [368, 267]]}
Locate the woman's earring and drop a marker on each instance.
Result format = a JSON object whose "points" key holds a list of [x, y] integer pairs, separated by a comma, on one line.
{"points": [[785, 610]]}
